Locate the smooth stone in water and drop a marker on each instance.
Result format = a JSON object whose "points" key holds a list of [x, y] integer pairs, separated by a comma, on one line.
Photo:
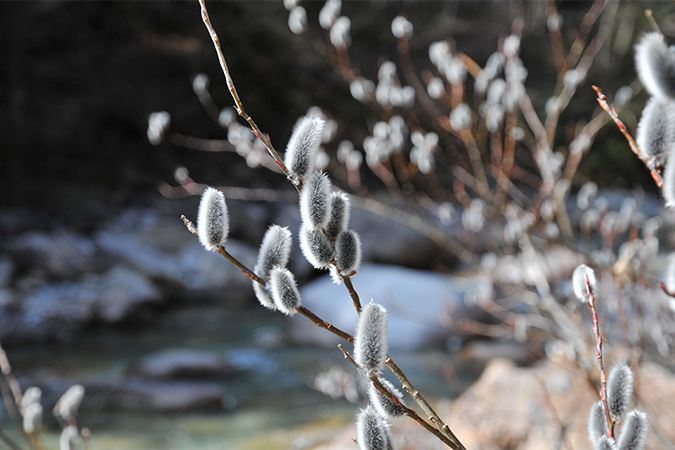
{"points": [[417, 303], [183, 363]]}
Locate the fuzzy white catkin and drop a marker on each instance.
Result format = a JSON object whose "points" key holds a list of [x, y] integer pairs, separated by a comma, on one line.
{"points": [[634, 432], [387, 408], [69, 403], [339, 32], [70, 438], [316, 247], [605, 443], [284, 290], [32, 395], [371, 431], [32, 418], [339, 214], [655, 65], [401, 27], [656, 131], [584, 283], [297, 20], [597, 422], [370, 342], [329, 12], [348, 252], [275, 250], [213, 223], [315, 200], [619, 391], [302, 146], [264, 296]]}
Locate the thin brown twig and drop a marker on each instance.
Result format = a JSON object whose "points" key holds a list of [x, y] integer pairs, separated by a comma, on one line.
{"points": [[407, 411], [233, 91], [601, 367], [602, 101]]}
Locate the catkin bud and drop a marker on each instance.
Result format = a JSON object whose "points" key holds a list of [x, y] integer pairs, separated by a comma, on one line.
{"points": [[371, 431], [348, 252], [597, 422], [264, 296], [274, 250], [284, 290], [605, 443], [32, 395], [302, 146], [584, 283], [656, 131], [619, 391], [387, 408], [315, 200], [339, 214], [370, 342], [316, 247], [213, 223], [655, 64], [69, 403], [634, 432], [32, 418], [70, 438]]}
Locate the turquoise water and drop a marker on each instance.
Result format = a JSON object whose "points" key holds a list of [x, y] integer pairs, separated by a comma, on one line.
{"points": [[275, 405]]}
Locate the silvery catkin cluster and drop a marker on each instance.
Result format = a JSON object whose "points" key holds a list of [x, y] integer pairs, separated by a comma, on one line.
{"points": [[655, 64], [325, 240], [635, 426]]}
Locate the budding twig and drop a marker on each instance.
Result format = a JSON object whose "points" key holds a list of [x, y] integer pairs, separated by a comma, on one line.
{"points": [[601, 367], [602, 101], [233, 91]]}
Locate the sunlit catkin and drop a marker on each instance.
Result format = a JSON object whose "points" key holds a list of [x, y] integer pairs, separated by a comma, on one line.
{"points": [[370, 342], [284, 290], [32, 418], [597, 422], [212, 221], [315, 200], [32, 395], [371, 430], [264, 296], [604, 443], [348, 252], [302, 146], [339, 214], [584, 283], [274, 250], [70, 438], [655, 65], [634, 432], [316, 247], [619, 391], [387, 408], [69, 403], [656, 131]]}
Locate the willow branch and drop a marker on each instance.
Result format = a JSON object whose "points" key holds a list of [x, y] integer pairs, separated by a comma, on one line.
{"points": [[233, 91]]}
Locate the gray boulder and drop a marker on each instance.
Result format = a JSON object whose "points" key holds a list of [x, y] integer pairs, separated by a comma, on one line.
{"points": [[418, 305], [154, 396], [183, 363], [61, 254]]}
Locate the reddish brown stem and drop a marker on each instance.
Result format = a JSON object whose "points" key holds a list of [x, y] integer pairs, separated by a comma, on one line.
{"points": [[601, 367]]}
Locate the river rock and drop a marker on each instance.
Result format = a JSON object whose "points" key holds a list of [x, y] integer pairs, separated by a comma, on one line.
{"points": [[153, 396], [7, 268], [62, 254], [122, 291], [183, 363], [418, 305]]}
